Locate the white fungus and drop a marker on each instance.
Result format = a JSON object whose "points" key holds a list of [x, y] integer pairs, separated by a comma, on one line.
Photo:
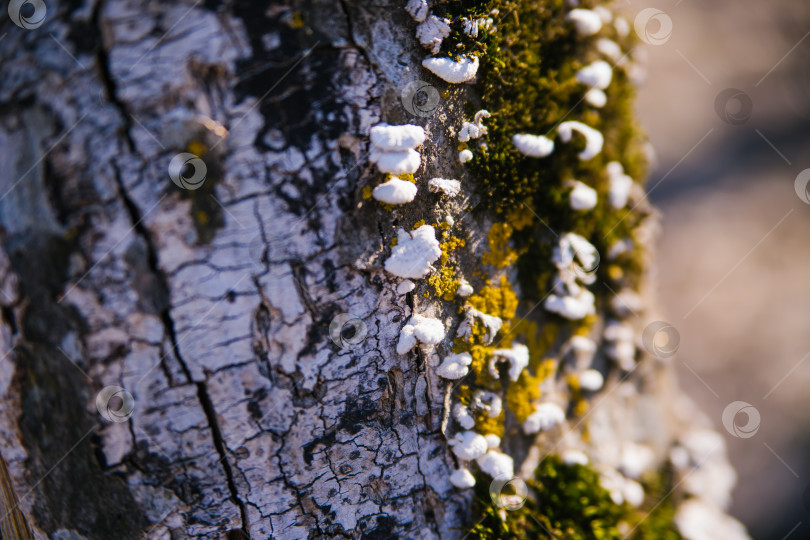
{"points": [[450, 188], [622, 26], [497, 464], [463, 417], [596, 75], [620, 344], [451, 71], [406, 286], [464, 288], [474, 129], [620, 185], [432, 31], [468, 445], [493, 441], [404, 162], [397, 138], [591, 380], [587, 22], [573, 248], [545, 417], [454, 366], [574, 457], [582, 197], [395, 191], [418, 9], [462, 479], [472, 26], [533, 145], [609, 48], [464, 156], [593, 138], [604, 13], [488, 402], [572, 308], [492, 324], [636, 459], [595, 98], [697, 519], [414, 253], [517, 357], [423, 329]]}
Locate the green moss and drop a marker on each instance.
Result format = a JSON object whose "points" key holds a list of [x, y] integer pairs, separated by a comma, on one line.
{"points": [[567, 501]]}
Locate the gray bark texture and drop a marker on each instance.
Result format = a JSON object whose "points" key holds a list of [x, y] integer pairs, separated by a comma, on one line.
{"points": [[211, 307]]}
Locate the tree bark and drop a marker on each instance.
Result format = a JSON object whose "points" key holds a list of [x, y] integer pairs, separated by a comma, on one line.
{"points": [[212, 307]]}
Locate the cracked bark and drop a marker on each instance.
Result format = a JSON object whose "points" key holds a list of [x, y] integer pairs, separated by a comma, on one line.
{"points": [[249, 421]]}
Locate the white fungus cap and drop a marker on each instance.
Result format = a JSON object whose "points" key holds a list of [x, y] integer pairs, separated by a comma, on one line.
{"points": [[432, 31], [609, 48], [397, 138], [487, 401], [497, 465], [517, 357], [698, 519], [451, 71], [399, 162], [464, 288], [414, 253], [418, 328], [591, 380], [574, 457], [596, 75], [604, 13], [546, 416], [572, 308], [463, 417], [587, 22], [446, 186], [493, 441], [593, 138], [595, 98], [582, 197], [533, 145], [492, 324], [406, 286], [395, 191], [418, 9], [462, 479], [636, 459], [468, 445], [464, 156], [619, 190], [454, 366]]}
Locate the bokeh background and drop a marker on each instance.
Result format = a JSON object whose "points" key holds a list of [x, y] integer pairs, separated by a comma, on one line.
{"points": [[733, 256]]}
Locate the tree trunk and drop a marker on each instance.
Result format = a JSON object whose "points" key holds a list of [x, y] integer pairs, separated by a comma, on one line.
{"points": [[168, 365]]}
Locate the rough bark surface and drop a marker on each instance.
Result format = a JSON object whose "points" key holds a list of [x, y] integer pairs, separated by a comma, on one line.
{"points": [[212, 307]]}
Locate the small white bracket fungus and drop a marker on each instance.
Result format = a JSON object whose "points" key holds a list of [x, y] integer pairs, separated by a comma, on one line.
{"points": [[462, 479], [596, 75], [464, 288], [463, 417], [488, 402], [454, 366], [595, 98], [591, 380], [418, 9], [414, 253], [493, 441], [405, 287], [431, 32], [572, 308], [620, 185], [451, 71], [464, 156], [517, 357], [593, 138], [395, 191], [545, 417], [492, 324], [574, 457], [423, 329], [497, 464], [474, 129], [468, 445], [582, 197], [397, 138], [533, 145], [587, 22], [450, 188]]}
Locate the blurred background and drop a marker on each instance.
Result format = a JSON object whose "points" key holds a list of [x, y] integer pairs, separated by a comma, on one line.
{"points": [[733, 256]]}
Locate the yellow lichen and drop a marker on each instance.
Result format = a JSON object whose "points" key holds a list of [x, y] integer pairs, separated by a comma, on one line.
{"points": [[367, 192], [197, 148], [500, 253], [418, 224]]}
